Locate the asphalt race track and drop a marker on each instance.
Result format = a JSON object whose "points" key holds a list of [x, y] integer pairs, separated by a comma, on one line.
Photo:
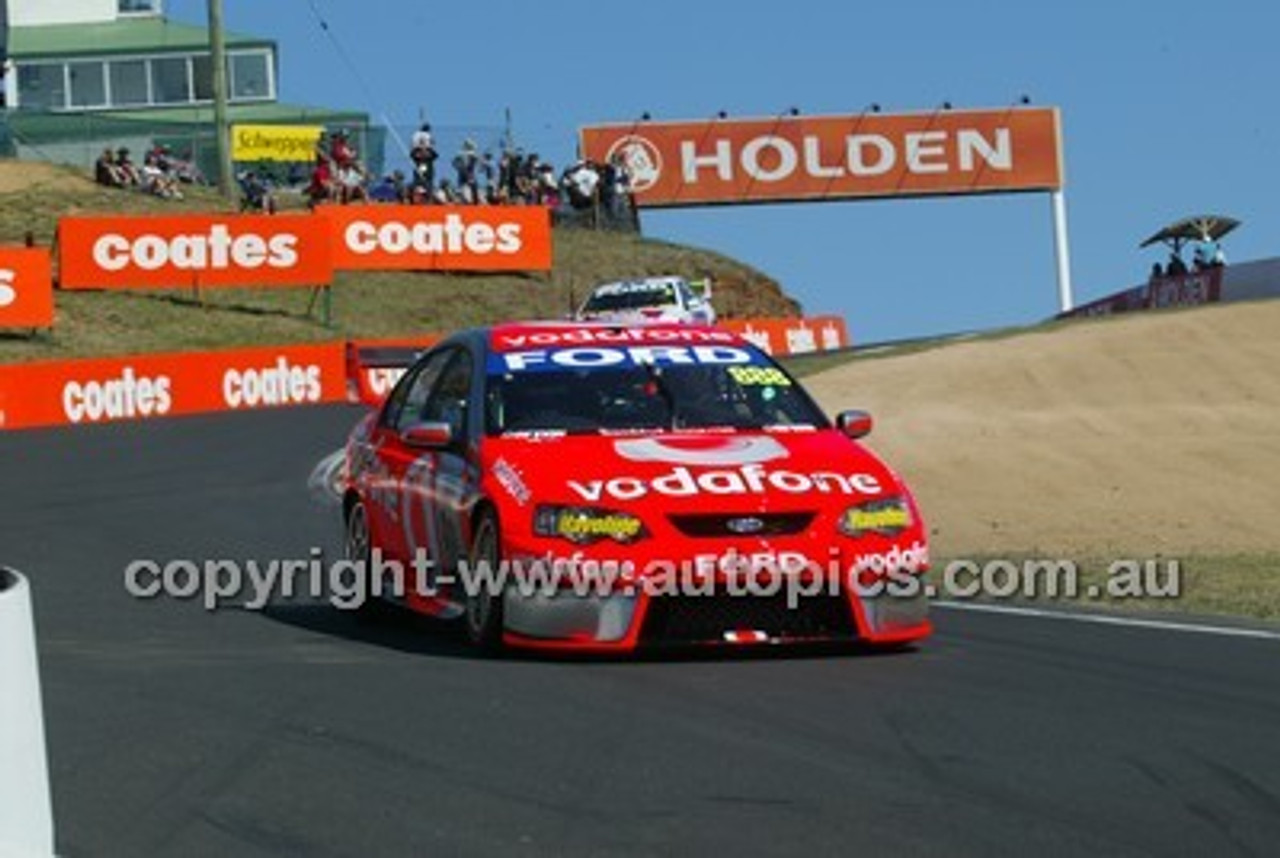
{"points": [[298, 730]]}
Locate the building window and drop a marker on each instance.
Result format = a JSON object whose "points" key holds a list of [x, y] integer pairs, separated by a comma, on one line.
{"points": [[171, 81], [134, 7], [202, 77], [42, 87], [88, 87], [129, 83], [250, 76]]}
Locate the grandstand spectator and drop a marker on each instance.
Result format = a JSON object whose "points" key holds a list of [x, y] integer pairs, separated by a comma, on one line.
{"points": [[341, 152], [487, 174], [465, 165], [126, 167], [530, 171], [1208, 254], [105, 171], [445, 194], [156, 181], [351, 181], [581, 181], [183, 169], [256, 194], [1176, 267], [321, 189], [389, 189], [548, 187], [508, 173], [422, 138], [423, 154], [619, 180]]}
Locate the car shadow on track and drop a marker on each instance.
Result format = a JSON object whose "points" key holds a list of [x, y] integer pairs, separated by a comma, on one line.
{"points": [[393, 628], [386, 627]]}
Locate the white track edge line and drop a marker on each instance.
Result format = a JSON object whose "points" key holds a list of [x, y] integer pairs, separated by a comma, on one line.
{"points": [[1112, 620]]}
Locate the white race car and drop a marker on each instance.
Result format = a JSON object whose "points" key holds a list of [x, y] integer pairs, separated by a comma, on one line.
{"points": [[650, 299]]}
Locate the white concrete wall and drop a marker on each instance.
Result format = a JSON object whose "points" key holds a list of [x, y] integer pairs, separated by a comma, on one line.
{"points": [[1249, 281], [36, 13], [26, 814]]}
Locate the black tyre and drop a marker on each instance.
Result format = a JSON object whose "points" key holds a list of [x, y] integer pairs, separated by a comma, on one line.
{"points": [[483, 617], [358, 548]]}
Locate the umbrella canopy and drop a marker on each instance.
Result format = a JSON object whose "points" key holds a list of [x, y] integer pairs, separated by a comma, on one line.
{"points": [[1196, 228]]}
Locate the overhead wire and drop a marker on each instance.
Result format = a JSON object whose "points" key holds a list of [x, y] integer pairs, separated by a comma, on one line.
{"points": [[354, 71]]}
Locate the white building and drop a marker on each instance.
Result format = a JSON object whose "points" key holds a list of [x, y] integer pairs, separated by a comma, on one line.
{"points": [[85, 55], [82, 75]]}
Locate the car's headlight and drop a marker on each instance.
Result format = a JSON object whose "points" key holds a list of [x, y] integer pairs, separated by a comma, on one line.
{"points": [[587, 524], [885, 516]]}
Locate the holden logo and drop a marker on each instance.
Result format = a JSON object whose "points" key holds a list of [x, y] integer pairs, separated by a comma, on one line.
{"points": [[641, 158], [745, 525]]}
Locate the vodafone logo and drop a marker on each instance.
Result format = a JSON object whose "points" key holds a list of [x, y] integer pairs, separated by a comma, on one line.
{"points": [[8, 294], [452, 235], [129, 395], [641, 158], [750, 478], [218, 249], [280, 384]]}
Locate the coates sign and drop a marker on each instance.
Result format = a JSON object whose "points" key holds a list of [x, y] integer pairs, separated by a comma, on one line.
{"points": [[104, 390], [193, 250], [26, 288], [440, 238], [834, 157]]}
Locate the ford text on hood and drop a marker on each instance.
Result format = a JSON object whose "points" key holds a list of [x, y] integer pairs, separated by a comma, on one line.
{"points": [[614, 488]]}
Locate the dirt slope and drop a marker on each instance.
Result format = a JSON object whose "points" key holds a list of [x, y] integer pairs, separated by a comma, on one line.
{"points": [[1150, 434]]}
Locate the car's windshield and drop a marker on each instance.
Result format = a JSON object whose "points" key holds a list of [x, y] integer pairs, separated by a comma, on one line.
{"points": [[746, 395], [631, 298]]}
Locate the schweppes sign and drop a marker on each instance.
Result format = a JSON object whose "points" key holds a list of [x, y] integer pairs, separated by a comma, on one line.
{"points": [[274, 142]]}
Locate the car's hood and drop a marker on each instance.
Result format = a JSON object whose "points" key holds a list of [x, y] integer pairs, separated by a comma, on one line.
{"points": [[776, 470]]}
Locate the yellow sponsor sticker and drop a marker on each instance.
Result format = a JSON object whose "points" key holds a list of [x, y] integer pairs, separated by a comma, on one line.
{"points": [[764, 376], [613, 526]]}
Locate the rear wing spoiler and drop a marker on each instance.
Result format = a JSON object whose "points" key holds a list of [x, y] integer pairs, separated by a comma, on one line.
{"points": [[374, 366]]}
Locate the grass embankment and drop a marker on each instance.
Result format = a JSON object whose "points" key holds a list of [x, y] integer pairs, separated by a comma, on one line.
{"points": [[1147, 437], [364, 305]]}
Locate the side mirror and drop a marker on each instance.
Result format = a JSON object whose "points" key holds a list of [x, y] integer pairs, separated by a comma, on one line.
{"points": [[429, 435], [853, 423]]}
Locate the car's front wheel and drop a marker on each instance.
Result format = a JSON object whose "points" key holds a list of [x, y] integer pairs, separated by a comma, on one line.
{"points": [[483, 616]]}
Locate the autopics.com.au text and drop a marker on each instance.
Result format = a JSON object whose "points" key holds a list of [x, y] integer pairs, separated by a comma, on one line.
{"points": [[897, 574]]}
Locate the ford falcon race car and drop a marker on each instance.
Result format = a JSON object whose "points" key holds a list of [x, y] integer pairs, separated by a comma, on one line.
{"points": [[648, 300], [603, 488]]}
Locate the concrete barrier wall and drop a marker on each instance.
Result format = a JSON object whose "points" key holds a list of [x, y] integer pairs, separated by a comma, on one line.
{"points": [[1246, 281]]}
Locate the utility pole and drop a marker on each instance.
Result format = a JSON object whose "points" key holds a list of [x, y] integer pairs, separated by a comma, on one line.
{"points": [[222, 129]]}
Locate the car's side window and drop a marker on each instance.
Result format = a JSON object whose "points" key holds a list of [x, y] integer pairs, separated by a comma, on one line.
{"points": [[687, 298], [447, 403], [407, 401]]}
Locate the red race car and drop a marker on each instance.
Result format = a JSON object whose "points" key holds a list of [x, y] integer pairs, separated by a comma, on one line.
{"points": [[602, 488]]}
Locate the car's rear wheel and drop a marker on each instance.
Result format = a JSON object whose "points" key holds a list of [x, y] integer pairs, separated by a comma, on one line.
{"points": [[358, 549], [483, 617]]}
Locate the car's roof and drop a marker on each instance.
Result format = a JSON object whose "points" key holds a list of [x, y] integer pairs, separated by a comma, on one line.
{"points": [[512, 336]]}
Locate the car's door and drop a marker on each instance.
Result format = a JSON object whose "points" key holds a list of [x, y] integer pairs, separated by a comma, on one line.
{"points": [[439, 485], [393, 457]]}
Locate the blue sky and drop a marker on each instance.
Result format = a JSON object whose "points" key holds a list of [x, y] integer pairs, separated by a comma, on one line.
{"points": [[1169, 108]]}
